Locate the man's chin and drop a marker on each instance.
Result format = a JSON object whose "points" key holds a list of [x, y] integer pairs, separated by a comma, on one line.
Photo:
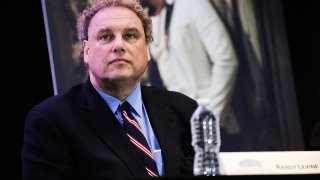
{"points": [[120, 78]]}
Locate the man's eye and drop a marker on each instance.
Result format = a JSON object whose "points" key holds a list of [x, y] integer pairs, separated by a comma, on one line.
{"points": [[106, 36], [131, 36]]}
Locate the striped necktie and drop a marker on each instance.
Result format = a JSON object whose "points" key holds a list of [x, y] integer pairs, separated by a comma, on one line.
{"points": [[137, 138]]}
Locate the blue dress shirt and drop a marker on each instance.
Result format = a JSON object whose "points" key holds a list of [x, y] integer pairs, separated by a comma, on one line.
{"points": [[140, 114]]}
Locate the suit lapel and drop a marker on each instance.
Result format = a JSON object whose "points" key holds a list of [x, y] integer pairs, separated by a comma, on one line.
{"points": [[103, 122], [163, 123]]}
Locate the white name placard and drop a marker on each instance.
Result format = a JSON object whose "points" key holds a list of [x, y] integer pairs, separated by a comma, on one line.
{"points": [[269, 163]]}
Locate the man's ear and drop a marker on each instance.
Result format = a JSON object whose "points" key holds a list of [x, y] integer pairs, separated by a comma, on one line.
{"points": [[85, 50]]}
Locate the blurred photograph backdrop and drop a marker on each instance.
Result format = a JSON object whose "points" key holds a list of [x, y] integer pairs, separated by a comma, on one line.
{"points": [[263, 99], [261, 110], [28, 47]]}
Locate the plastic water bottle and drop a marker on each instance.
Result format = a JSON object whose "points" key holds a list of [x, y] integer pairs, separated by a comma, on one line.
{"points": [[206, 141]]}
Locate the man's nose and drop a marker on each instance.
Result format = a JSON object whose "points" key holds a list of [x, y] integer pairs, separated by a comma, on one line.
{"points": [[118, 45]]}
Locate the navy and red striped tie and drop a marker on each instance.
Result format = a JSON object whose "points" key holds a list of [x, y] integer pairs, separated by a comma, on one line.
{"points": [[137, 138]]}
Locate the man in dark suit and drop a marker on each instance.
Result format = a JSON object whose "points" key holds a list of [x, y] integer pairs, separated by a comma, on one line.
{"points": [[79, 134]]}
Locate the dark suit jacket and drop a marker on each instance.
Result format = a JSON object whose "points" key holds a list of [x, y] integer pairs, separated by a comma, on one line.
{"points": [[76, 136]]}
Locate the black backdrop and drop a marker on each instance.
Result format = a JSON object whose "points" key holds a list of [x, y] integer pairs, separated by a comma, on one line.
{"points": [[26, 77]]}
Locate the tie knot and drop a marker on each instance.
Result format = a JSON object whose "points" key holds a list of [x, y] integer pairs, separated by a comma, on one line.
{"points": [[125, 106]]}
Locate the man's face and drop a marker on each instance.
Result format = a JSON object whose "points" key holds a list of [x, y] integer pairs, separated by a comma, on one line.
{"points": [[116, 49]]}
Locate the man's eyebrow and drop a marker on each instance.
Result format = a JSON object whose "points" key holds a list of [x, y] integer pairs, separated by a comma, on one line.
{"points": [[132, 30], [104, 30]]}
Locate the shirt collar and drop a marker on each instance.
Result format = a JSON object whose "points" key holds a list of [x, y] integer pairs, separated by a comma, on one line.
{"points": [[134, 99]]}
